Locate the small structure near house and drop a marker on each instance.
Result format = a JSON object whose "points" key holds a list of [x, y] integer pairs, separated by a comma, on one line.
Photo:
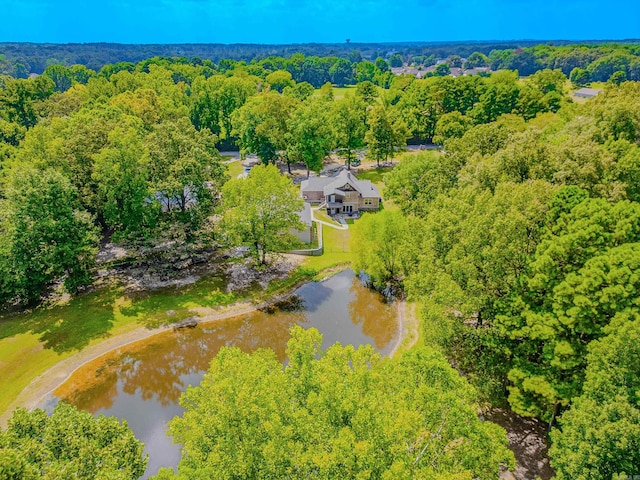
{"points": [[306, 234], [341, 194], [587, 92]]}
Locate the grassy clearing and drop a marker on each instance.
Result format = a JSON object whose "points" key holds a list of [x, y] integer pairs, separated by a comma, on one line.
{"points": [[322, 215], [336, 250], [32, 342], [340, 92], [235, 168]]}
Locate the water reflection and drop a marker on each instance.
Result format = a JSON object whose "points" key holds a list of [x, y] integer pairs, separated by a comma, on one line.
{"points": [[143, 382]]}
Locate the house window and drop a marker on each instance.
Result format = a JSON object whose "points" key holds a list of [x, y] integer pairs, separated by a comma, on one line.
{"points": [[368, 201]]}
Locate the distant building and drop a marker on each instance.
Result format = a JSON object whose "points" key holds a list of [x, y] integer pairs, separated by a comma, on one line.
{"points": [[477, 70], [587, 92]]}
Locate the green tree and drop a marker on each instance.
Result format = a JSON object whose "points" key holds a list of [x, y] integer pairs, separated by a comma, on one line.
{"points": [[599, 436], [582, 274], [61, 76], [279, 80], [259, 211], [396, 60], [419, 179], [204, 108], [301, 91], [381, 64], [455, 61], [476, 59], [123, 178], [343, 414], [383, 248], [451, 125], [261, 125], [18, 99], [342, 72], [365, 71], [67, 445], [442, 70], [185, 171], [233, 94], [310, 136], [44, 235], [367, 91], [387, 130], [349, 124]]}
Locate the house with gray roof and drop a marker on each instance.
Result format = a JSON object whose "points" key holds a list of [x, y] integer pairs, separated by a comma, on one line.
{"points": [[587, 92], [341, 194]]}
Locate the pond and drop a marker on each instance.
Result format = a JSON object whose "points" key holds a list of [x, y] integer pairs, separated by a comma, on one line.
{"points": [[142, 382]]}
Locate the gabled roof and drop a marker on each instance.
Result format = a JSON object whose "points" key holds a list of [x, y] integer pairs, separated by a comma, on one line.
{"points": [[587, 92], [333, 185]]}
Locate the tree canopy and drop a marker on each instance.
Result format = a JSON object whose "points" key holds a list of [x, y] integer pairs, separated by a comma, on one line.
{"points": [[341, 413], [69, 444], [259, 211]]}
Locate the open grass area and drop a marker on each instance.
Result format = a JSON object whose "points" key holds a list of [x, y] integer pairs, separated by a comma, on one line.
{"points": [[340, 92], [235, 168], [336, 250], [322, 215], [34, 341]]}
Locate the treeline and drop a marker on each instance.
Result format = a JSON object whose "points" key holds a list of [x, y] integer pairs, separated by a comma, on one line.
{"points": [[582, 63], [130, 152], [522, 243], [21, 59]]}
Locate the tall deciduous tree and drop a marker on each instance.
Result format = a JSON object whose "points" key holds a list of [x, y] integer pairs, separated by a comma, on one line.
{"points": [[386, 132], [259, 211], [343, 414], [69, 444], [386, 247], [262, 124], [279, 80], [349, 123], [600, 435], [44, 235], [122, 173], [185, 171], [310, 136]]}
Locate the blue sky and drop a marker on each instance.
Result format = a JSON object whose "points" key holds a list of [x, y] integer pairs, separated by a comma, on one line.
{"points": [[297, 21]]}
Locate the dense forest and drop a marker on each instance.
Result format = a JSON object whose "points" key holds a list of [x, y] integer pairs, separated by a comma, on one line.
{"points": [[527, 56], [519, 238]]}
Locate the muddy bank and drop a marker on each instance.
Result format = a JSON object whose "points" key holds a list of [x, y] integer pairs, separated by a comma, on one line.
{"points": [[528, 441]]}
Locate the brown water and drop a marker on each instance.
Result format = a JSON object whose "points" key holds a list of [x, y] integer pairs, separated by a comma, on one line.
{"points": [[142, 383]]}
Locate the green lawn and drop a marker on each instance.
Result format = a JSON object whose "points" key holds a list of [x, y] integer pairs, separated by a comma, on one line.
{"points": [[32, 342], [336, 250], [322, 215], [235, 168]]}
